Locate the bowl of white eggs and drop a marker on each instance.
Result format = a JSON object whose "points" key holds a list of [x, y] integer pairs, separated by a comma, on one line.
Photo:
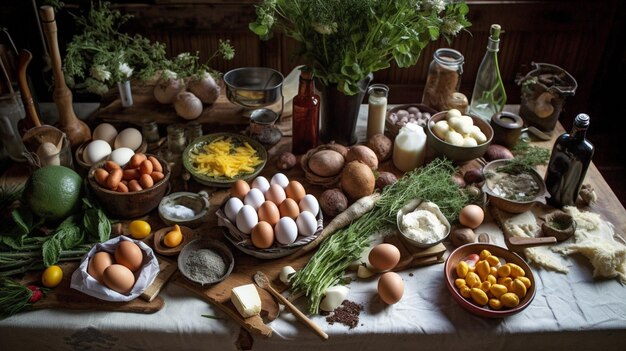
{"points": [[458, 137]]}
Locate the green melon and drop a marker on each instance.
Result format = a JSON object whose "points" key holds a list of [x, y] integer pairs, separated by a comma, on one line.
{"points": [[53, 192]]}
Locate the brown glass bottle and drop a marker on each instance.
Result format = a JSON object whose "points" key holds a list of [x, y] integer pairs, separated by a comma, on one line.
{"points": [[306, 111], [570, 159]]}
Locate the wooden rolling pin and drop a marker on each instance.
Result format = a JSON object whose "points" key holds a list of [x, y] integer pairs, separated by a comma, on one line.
{"points": [[76, 130]]}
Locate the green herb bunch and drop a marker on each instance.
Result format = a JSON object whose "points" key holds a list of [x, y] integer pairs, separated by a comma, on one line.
{"points": [[188, 65], [527, 157], [345, 40], [103, 56]]}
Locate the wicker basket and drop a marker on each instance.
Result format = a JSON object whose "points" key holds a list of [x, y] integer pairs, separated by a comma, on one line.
{"points": [[394, 129], [312, 178]]}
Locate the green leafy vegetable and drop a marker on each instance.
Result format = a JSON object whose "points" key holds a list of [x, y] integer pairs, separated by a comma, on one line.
{"points": [[14, 297]]}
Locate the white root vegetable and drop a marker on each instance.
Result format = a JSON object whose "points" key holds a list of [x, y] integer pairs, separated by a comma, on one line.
{"points": [[355, 211], [334, 296], [205, 88], [286, 273], [168, 87], [188, 106], [364, 272]]}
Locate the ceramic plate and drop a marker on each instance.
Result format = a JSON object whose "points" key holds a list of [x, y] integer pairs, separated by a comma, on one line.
{"points": [[196, 148]]}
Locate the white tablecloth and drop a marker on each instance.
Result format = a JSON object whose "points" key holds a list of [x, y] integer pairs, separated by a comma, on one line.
{"points": [[570, 311]]}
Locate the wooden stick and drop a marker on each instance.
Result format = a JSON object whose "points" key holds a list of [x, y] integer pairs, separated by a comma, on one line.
{"points": [[76, 130], [304, 319], [32, 118]]}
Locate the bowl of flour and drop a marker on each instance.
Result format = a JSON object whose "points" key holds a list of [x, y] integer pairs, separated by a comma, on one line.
{"points": [[422, 224]]}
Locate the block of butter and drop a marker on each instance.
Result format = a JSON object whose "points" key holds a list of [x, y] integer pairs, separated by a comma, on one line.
{"points": [[246, 299]]}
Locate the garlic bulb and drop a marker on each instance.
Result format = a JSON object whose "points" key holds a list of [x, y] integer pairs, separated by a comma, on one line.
{"points": [[187, 105], [204, 87]]}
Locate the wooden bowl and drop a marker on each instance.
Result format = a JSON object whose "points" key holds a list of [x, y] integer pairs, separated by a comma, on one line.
{"points": [[131, 204], [393, 129], [160, 247], [508, 205], [508, 256], [455, 153], [311, 177]]}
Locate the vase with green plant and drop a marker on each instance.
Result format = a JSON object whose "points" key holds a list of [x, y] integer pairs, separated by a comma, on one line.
{"points": [[344, 42]]}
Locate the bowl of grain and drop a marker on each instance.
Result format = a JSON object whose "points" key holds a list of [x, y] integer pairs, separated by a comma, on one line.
{"points": [[205, 261]]}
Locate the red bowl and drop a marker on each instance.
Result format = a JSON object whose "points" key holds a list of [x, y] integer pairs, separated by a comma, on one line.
{"points": [[462, 252]]}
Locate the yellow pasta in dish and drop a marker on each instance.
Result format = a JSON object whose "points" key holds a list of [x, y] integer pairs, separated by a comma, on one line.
{"points": [[222, 158]]}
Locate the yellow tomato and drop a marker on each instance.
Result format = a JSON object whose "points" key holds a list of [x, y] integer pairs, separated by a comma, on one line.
{"points": [[139, 229], [173, 238], [52, 276]]}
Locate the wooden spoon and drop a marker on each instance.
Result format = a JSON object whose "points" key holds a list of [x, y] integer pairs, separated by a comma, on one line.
{"points": [[263, 282], [517, 243]]}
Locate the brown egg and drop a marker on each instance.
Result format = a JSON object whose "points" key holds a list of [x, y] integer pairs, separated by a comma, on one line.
{"points": [[384, 256], [239, 189], [98, 263], [275, 194], [268, 212], [129, 255], [119, 278], [289, 208], [390, 287], [471, 216], [262, 235], [295, 190]]}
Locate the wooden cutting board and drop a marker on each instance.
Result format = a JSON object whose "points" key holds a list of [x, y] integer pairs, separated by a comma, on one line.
{"points": [[64, 297], [245, 267], [412, 256]]}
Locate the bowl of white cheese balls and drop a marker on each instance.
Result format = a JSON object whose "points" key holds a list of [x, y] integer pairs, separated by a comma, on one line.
{"points": [[458, 137]]}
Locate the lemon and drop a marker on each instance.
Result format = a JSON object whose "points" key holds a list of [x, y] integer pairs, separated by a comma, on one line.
{"points": [[139, 229], [52, 276]]}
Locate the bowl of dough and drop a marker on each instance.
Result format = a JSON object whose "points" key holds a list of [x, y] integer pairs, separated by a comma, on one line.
{"points": [[422, 223]]}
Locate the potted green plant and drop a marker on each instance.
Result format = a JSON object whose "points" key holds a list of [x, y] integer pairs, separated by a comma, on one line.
{"points": [[346, 41]]}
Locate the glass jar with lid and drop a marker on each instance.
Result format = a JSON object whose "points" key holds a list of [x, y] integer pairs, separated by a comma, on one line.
{"points": [[444, 78]]}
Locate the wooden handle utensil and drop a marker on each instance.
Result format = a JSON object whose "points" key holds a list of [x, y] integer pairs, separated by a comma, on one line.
{"points": [[76, 130], [263, 282], [32, 118]]}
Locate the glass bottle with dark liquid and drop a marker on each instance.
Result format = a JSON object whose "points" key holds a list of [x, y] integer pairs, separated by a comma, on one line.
{"points": [[570, 159], [306, 112]]}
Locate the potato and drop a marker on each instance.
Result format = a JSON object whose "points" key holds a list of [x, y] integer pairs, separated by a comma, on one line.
{"points": [[326, 163], [357, 180], [364, 154], [381, 145]]}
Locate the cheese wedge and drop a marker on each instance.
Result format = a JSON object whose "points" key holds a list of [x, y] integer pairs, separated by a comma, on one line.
{"points": [[247, 300]]}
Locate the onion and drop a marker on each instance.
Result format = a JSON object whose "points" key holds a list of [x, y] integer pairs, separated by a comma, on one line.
{"points": [[205, 88], [168, 87], [187, 105]]}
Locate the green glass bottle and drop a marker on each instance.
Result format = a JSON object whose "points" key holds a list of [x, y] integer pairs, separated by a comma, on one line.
{"points": [[489, 95]]}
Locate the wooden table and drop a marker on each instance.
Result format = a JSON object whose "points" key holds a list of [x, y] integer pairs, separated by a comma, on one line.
{"points": [[427, 316]]}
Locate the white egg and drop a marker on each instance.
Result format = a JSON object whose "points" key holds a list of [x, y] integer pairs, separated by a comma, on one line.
{"points": [[130, 138], [261, 183], [254, 198], [246, 219], [106, 132], [232, 207], [96, 151], [309, 203], [307, 224], [121, 156], [280, 179], [286, 231]]}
